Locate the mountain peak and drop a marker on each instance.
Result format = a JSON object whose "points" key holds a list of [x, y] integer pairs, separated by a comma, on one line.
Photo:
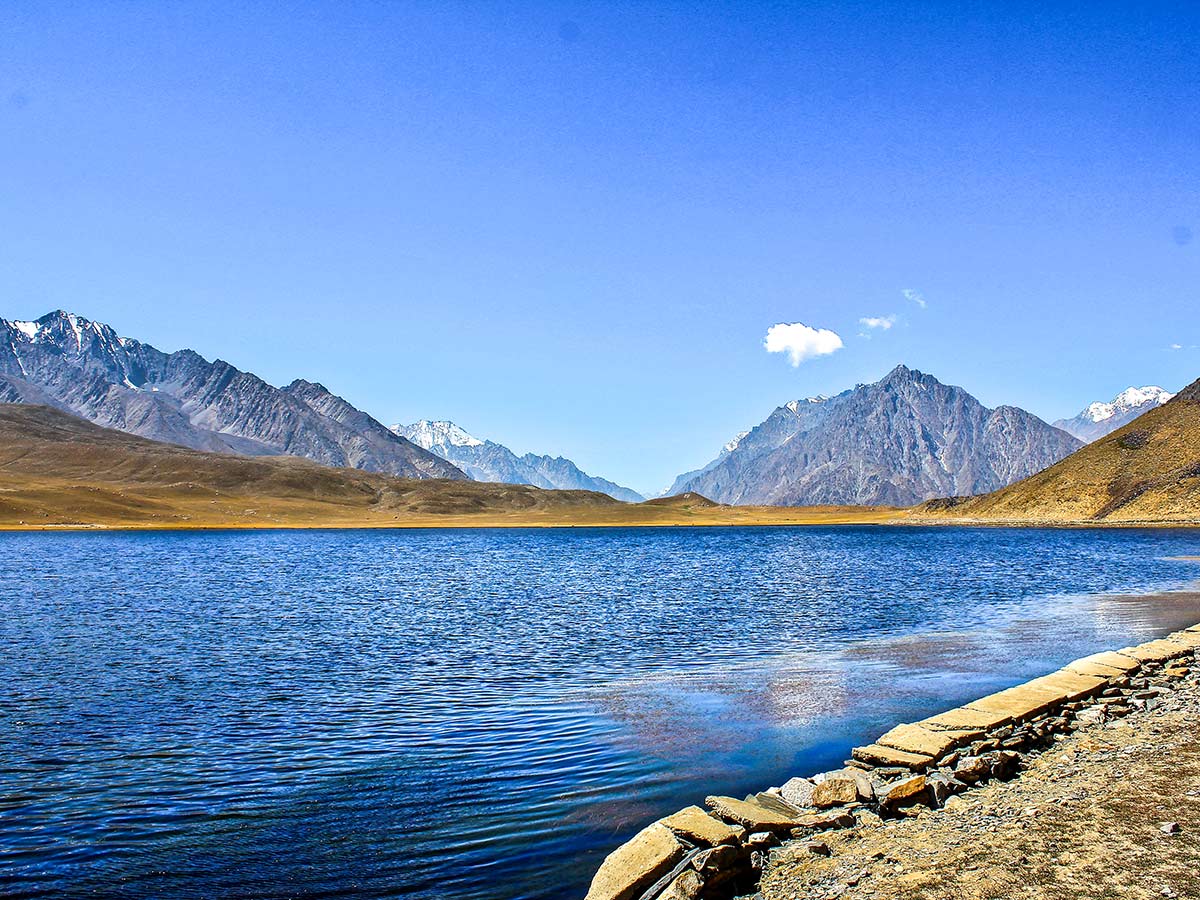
{"points": [[902, 374], [1101, 418], [429, 433]]}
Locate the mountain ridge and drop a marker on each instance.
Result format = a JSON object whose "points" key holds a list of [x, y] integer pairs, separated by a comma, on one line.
{"points": [[898, 441], [84, 367], [1101, 418], [486, 460]]}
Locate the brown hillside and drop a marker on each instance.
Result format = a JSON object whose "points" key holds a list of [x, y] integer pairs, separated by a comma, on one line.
{"points": [[57, 470], [1148, 471]]}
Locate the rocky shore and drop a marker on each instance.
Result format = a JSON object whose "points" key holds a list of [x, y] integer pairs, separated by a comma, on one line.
{"points": [[1081, 783]]}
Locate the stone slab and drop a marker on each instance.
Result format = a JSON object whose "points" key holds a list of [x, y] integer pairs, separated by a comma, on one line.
{"points": [[1189, 639], [1019, 703], [635, 865], [750, 815], [1109, 659], [1070, 685], [878, 755], [1155, 651], [964, 718], [935, 744], [699, 827]]}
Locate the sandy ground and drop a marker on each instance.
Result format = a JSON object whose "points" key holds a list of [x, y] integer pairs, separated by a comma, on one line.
{"points": [[1089, 818]]}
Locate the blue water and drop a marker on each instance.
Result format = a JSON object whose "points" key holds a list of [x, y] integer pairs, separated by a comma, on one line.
{"points": [[485, 713]]}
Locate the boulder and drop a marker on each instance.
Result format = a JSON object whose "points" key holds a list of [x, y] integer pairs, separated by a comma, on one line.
{"points": [[750, 815], [906, 792], [687, 885], [942, 786], [835, 791], [717, 859], [798, 792], [636, 864], [971, 769], [699, 827]]}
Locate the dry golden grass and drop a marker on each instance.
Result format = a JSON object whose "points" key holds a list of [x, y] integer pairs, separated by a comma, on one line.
{"points": [[58, 471]]}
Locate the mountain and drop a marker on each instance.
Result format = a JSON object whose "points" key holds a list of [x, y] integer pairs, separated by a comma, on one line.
{"points": [[679, 485], [58, 469], [1100, 419], [71, 363], [904, 439], [489, 461], [1146, 471]]}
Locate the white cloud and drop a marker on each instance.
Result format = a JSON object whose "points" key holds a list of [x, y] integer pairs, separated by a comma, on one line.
{"points": [[800, 342], [1176, 347], [915, 297], [884, 322]]}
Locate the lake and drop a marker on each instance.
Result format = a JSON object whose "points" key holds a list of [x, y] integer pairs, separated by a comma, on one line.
{"points": [[485, 713]]}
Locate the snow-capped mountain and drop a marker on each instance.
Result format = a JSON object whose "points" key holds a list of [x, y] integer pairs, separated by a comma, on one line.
{"points": [[441, 435], [1101, 418], [489, 461], [84, 367], [904, 439]]}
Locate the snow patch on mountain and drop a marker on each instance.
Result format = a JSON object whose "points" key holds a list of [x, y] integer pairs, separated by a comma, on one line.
{"points": [[429, 434], [1101, 418]]}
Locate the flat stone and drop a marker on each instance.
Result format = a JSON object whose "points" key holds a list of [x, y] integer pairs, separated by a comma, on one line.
{"points": [[835, 791], [1190, 639], [1108, 659], [749, 815], [699, 827], [1021, 702], [890, 756], [903, 793], [964, 718], [774, 802], [1070, 685], [797, 791], [935, 744], [636, 864], [1155, 651]]}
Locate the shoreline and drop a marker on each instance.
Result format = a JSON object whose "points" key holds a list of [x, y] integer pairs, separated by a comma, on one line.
{"points": [[814, 520], [912, 772]]}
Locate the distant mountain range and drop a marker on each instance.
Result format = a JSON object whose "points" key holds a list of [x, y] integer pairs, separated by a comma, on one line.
{"points": [[489, 461], [1148, 470], [84, 367], [902, 440], [1100, 419]]}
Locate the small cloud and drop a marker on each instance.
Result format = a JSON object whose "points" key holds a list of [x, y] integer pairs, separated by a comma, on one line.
{"points": [[800, 342], [1182, 235], [1175, 347], [915, 297], [884, 322]]}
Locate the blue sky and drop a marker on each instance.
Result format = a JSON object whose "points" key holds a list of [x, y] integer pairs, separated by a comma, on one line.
{"points": [[569, 227]]}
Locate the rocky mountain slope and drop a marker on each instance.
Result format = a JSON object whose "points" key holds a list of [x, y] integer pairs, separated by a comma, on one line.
{"points": [[489, 461], [1146, 471], [1100, 419], [74, 364], [904, 439]]}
